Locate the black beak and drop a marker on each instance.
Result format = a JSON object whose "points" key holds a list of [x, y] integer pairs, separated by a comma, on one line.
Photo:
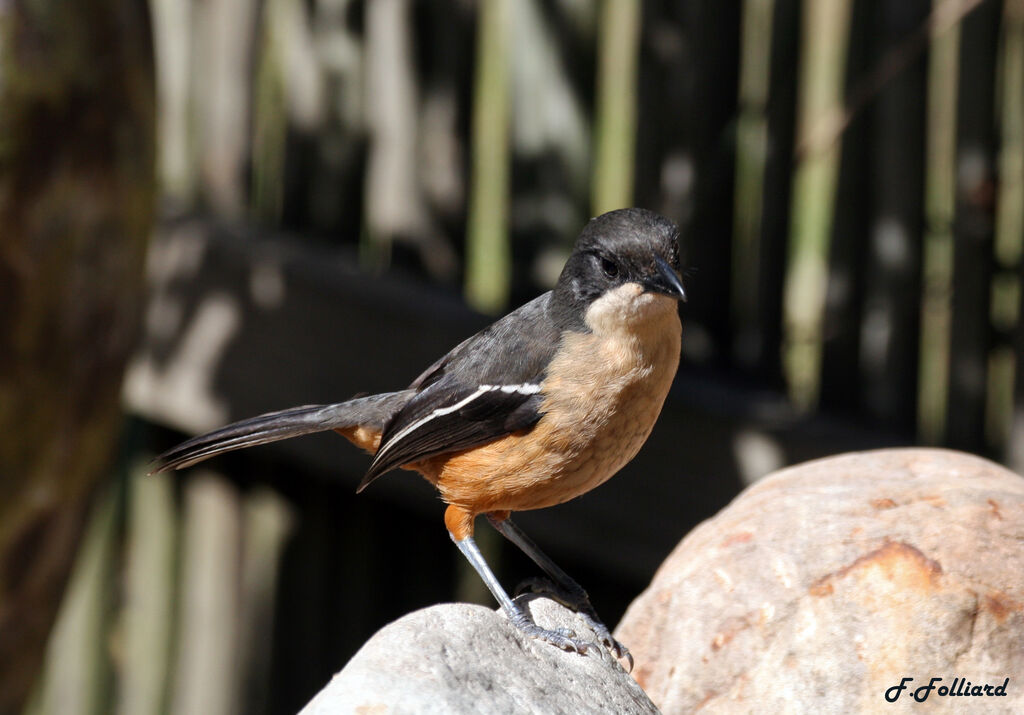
{"points": [[666, 281]]}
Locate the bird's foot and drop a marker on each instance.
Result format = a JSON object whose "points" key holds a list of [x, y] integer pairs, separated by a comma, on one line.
{"points": [[577, 600], [560, 637]]}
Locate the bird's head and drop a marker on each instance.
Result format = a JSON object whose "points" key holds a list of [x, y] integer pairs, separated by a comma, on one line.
{"points": [[625, 265]]}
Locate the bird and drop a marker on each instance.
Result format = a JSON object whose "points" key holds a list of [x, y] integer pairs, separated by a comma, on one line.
{"points": [[543, 405]]}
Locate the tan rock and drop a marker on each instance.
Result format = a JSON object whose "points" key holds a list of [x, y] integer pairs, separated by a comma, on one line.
{"points": [[825, 584]]}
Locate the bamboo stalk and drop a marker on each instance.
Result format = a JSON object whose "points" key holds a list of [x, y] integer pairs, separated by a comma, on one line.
{"points": [[615, 123], [391, 192], [149, 595], [206, 674], [825, 34], [77, 670], [751, 160], [223, 33], [1009, 232], [270, 124], [267, 524], [488, 254], [173, 45], [937, 251]]}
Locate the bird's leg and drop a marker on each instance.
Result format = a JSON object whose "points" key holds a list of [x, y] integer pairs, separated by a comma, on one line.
{"points": [[567, 592], [516, 615], [570, 594]]}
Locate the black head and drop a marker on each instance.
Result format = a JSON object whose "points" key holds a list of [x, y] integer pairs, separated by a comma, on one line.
{"points": [[619, 247]]}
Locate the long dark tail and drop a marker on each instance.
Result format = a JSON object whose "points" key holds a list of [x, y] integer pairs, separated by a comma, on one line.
{"points": [[373, 412]]}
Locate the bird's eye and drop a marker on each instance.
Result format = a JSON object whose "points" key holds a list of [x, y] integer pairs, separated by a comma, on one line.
{"points": [[610, 269]]}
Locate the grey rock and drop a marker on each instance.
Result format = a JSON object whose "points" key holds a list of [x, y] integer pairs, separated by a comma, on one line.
{"points": [[823, 585], [460, 658]]}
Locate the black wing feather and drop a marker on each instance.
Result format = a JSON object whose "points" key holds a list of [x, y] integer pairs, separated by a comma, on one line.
{"points": [[491, 415], [514, 351]]}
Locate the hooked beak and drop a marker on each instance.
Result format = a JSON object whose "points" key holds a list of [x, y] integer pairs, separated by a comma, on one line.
{"points": [[666, 281]]}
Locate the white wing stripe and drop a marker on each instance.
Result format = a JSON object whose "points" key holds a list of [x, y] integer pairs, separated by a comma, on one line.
{"points": [[525, 388]]}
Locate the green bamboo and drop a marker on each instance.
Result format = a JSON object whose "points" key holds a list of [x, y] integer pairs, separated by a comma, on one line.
{"points": [[174, 46], [149, 594], [823, 62], [1009, 238], [937, 252], [615, 122], [488, 254], [267, 524], [206, 668], [77, 672], [999, 396], [392, 197], [751, 158], [1009, 234], [270, 123]]}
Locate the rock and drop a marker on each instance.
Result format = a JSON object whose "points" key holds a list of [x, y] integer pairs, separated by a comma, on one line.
{"points": [[463, 658], [824, 585]]}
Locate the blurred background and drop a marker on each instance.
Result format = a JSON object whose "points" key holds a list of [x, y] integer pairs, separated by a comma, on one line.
{"points": [[215, 208]]}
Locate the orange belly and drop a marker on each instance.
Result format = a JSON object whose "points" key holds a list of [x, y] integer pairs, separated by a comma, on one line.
{"points": [[602, 397], [539, 468], [598, 411]]}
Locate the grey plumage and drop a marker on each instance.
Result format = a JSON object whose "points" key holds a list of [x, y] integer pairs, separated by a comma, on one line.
{"points": [[514, 350], [441, 411], [373, 411]]}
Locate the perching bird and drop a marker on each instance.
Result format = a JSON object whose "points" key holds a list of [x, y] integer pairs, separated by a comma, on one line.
{"points": [[543, 405]]}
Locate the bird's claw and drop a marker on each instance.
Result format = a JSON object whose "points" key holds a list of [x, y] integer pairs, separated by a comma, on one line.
{"points": [[605, 637], [563, 638], [579, 602]]}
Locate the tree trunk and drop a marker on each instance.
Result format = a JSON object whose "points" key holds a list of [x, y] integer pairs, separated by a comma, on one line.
{"points": [[76, 205]]}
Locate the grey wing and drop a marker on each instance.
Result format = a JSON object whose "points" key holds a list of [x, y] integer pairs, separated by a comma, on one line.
{"points": [[487, 387]]}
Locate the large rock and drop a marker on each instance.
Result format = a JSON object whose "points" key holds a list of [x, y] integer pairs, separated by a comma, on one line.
{"points": [[824, 585], [459, 658]]}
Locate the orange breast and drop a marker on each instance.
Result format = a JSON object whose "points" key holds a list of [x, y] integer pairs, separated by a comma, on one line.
{"points": [[602, 398]]}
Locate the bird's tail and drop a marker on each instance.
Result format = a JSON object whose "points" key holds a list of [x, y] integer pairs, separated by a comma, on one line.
{"points": [[371, 412]]}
